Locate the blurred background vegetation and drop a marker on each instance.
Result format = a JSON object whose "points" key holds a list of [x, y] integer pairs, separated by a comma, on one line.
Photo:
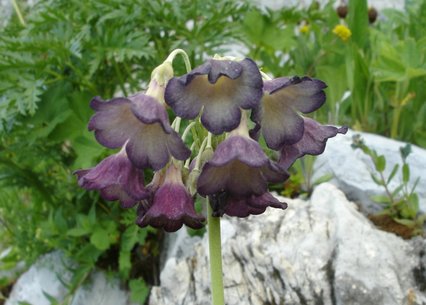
{"points": [[64, 52]]}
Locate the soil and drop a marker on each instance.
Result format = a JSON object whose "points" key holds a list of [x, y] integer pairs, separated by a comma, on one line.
{"points": [[386, 223]]}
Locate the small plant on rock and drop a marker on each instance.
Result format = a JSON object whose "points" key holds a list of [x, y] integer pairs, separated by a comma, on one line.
{"points": [[401, 204]]}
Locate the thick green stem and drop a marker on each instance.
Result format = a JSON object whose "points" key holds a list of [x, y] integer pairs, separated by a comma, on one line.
{"points": [[215, 254]]}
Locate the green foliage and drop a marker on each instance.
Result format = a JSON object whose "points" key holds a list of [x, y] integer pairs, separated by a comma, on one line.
{"points": [[401, 203], [67, 53], [382, 65]]}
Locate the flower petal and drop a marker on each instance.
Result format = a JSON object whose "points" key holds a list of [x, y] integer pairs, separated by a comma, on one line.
{"points": [[313, 142], [283, 97], [222, 87], [143, 123], [113, 121], [304, 94], [116, 178], [253, 205], [239, 166]]}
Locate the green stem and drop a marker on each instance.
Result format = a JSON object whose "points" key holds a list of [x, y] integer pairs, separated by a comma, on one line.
{"points": [[18, 12], [215, 254], [181, 52]]}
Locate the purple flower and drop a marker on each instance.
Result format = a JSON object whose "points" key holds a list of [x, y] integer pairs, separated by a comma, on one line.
{"points": [[218, 88], [143, 123], [283, 98], [116, 178], [171, 205], [312, 142], [239, 167], [243, 206]]}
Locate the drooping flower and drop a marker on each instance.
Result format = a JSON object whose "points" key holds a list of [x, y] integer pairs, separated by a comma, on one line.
{"points": [[224, 203], [277, 117], [239, 166], [313, 142], [142, 122], [116, 178], [170, 206], [218, 88]]}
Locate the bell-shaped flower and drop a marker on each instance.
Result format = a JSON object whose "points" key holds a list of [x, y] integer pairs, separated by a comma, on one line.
{"points": [[278, 117], [220, 89], [239, 167], [313, 142], [116, 178], [142, 122], [224, 203], [170, 206]]}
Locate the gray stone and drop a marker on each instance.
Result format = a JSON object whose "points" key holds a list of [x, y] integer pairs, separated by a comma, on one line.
{"points": [[351, 168], [48, 276], [42, 278], [101, 290], [321, 251]]}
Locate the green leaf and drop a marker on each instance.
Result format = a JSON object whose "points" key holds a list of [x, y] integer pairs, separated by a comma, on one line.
{"points": [[100, 239], [78, 232], [138, 290], [124, 263], [377, 180], [324, 178], [358, 21], [380, 163], [393, 173], [405, 173], [380, 199]]}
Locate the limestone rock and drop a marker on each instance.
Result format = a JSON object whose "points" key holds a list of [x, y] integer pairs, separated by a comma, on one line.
{"points": [[49, 273], [321, 251], [351, 168]]}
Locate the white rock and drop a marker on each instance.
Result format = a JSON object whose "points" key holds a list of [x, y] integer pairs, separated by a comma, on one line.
{"points": [[318, 252], [351, 168], [41, 278], [101, 290], [49, 273]]}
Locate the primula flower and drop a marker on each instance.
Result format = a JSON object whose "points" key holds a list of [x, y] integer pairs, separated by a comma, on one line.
{"points": [[243, 206], [240, 167], [142, 122], [218, 88], [313, 142], [116, 178], [283, 98], [170, 206]]}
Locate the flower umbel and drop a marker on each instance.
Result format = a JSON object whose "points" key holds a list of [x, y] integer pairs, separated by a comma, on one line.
{"points": [[226, 163]]}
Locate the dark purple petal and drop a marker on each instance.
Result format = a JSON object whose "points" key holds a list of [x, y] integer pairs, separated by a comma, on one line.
{"points": [[221, 87], [172, 206], [245, 206], [239, 166], [149, 111], [313, 142], [116, 178], [283, 98], [113, 121], [143, 123], [304, 94]]}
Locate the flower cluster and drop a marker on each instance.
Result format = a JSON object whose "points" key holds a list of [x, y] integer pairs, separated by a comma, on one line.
{"points": [[230, 105]]}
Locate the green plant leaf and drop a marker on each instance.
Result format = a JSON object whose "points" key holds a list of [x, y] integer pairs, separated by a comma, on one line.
{"points": [[405, 173], [100, 239], [381, 199], [138, 290], [393, 173], [380, 163]]}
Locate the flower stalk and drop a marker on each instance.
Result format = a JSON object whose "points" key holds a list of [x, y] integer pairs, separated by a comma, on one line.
{"points": [[215, 255]]}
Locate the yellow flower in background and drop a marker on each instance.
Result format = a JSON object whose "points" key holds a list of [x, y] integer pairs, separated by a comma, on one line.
{"points": [[304, 29], [342, 31]]}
